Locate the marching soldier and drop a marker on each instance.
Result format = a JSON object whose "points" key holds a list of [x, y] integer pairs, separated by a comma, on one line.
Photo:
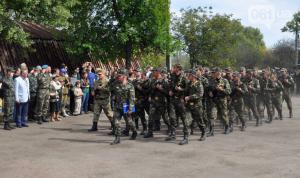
{"points": [[237, 101], [124, 96], [158, 101], [277, 95], [101, 94], [218, 91], [195, 92], [287, 82]]}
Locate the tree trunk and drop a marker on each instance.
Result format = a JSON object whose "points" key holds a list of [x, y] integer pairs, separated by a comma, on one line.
{"points": [[128, 54]]}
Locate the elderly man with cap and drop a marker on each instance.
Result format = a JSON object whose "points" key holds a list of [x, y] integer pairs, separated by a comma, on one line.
{"points": [[9, 98], [219, 89], [287, 82], [42, 105], [195, 92], [123, 98], [158, 101], [178, 86], [101, 93]]}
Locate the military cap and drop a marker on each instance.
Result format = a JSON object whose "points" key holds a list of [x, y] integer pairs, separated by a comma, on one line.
{"points": [[10, 69], [249, 70], [122, 72], [192, 72], [216, 69], [228, 70], [178, 66], [157, 69], [45, 66], [38, 68], [242, 69]]}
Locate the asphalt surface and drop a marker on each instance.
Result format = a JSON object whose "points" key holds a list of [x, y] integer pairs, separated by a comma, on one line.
{"points": [[66, 150]]}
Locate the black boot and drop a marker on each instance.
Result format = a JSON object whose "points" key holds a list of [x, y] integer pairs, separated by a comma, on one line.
{"points": [[133, 136], [116, 140], [211, 131], [185, 140], [171, 137], [270, 120], [148, 135], [203, 134], [39, 120], [257, 122], [44, 119], [226, 131], [125, 132], [6, 126], [231, 127], [291, 114], [94, 127], [243, 127], [137, 123]]}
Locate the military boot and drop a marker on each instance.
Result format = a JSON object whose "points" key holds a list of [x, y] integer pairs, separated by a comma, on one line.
{"points": [[116, 140], [39, 120], [136, 123], [44, 119], [211, 131], [185, 140], [231, 127], [171, 137], [291, 114], [257, 122], [94, 127], [243, 127], [148, 135], [133, 136], [6, 126], [269, 121], [125, 132], [203, 134], [226, 131]]}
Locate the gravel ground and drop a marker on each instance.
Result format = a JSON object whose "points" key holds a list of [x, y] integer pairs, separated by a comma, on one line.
{"points": [[66, 150]]}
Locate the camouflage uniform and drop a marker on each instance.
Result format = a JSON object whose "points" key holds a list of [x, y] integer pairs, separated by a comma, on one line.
{"points": [[237, 102], [123, 94], [217, 102], [158, 104], [42, 104], [33, 93], [267, 88], [195, 92], [288, 83], [253, 87], [8, 100], [101, 102], [277, 97], [177, 105], [141, 103]]}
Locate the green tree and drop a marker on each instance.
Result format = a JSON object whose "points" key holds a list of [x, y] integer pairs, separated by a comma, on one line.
{"points": [[110, 29], [53, 13]]}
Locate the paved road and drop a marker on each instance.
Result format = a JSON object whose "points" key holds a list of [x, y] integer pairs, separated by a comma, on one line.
{"points": [[67, 150]]}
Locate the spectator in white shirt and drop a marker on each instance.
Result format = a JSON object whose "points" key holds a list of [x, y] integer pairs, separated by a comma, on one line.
{"points": [[22, 94]]}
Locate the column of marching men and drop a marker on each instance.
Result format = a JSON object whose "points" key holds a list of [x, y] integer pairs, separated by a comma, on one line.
{"points": [[192, 99]]}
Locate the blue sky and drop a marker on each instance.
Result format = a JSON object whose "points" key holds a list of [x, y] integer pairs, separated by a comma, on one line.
{"points": [[267, 15]]}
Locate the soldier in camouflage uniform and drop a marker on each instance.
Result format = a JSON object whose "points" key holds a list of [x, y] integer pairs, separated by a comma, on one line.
{"points": [[141, 96], [158, 101], [33, 91], [8, 98], [277, 95], [267, 87], [237, 101], [195, 92], [101, 93], [253, 88], [124, 95], [43, 95], [288, 83], [178, 85], [218, 91]]}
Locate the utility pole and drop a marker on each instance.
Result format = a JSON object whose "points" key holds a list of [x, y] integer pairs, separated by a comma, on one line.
{"points": [[297, 43]]}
